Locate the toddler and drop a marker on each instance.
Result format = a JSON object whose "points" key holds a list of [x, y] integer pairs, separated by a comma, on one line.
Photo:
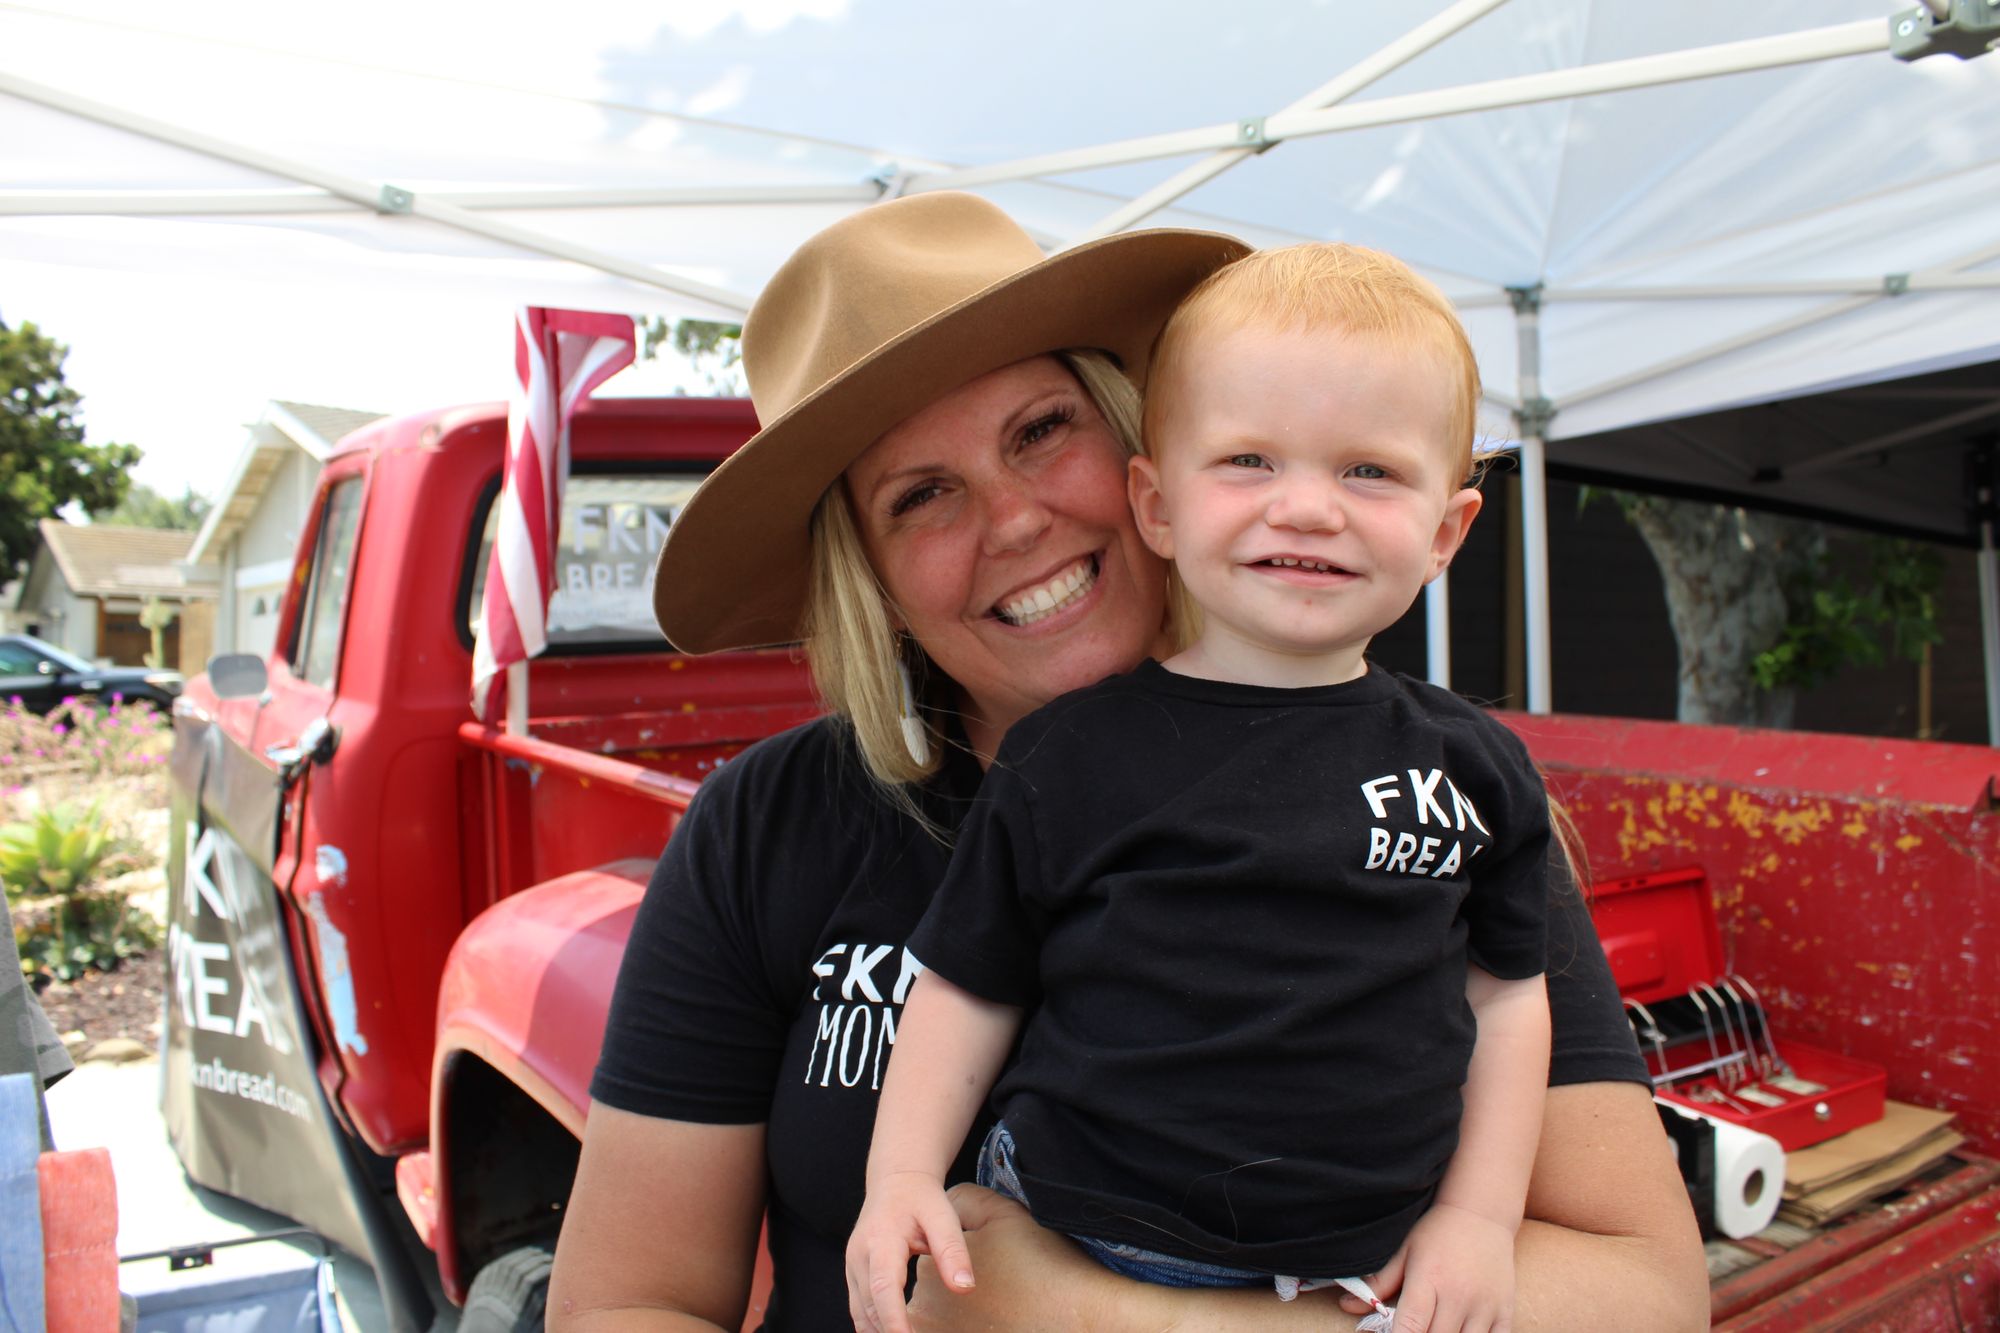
{"points": [[1265, 920]]}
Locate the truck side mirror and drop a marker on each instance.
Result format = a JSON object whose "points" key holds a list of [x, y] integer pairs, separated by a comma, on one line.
{"points": [[237, 675]]}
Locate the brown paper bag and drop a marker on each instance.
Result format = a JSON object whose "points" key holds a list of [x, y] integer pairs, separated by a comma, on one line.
{"points": [[1901, 1128]]}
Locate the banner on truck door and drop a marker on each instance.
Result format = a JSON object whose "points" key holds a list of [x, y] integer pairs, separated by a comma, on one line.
{"points": [[239, 1089]]}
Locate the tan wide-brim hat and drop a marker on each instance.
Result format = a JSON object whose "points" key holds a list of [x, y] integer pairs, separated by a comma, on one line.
{"points": [[866, 324]]}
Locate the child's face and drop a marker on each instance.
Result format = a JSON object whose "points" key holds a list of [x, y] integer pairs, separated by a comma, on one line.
{"points": [[1304, 487]]}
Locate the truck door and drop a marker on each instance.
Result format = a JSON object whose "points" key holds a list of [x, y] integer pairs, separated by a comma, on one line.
{"points": [[248, 1066]]}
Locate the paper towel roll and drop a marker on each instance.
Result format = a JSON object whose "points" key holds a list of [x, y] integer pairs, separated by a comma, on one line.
{"points": [[1749, 1175]]}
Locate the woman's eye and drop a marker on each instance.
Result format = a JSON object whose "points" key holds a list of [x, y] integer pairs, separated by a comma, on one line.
{"points": [[1044, 426], [916, 496]]}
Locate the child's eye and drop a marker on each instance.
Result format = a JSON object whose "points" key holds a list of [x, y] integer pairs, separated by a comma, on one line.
{"points": [[1370, 472], [1245, 460]]}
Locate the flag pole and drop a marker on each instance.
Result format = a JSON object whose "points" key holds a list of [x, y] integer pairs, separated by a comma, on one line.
{"points": [[517, 698]]}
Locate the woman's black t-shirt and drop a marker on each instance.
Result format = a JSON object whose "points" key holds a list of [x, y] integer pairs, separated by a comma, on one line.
{"points": [[767, 969]]}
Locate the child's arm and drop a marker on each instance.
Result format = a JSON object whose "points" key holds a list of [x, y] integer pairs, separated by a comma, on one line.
{"points": [[1460, 1255], [950, 1045]]}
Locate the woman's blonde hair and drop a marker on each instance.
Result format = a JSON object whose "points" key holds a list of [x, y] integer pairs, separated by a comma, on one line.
{"points": [[850, 638]]}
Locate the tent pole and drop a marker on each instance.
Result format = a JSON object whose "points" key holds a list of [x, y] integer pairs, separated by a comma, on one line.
{"points": [[1989, 627], [1343, 86], [1531, 420], [1707, 62], [1437, 630], [1984, 484]]}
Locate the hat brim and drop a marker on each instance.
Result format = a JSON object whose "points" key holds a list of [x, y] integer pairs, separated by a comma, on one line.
{"points": [[734, 570]]}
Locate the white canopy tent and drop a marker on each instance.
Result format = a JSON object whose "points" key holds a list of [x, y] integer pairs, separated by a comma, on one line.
{"points": [[1645, 211]]}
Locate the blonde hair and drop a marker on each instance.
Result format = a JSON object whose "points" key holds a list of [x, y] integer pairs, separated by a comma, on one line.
{"points": [[1322, 286], [851, 642]]}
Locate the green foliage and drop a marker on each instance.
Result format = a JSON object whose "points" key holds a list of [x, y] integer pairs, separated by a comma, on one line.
{"points": [[711, 346], [59, 851], [44, 463], [144, 507], [1835, 622], [82, 743], [65, 935]]}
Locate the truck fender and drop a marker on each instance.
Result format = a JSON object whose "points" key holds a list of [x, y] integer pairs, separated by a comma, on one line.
{"points": [[521, 1011]]}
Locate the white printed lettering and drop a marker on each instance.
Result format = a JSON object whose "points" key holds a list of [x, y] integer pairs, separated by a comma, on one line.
{"points": [[1378, 847], [912, 969], [1425, 787], [1425, 855], [587, 519], [829, 1029], [882, 1047], [1377, 790], [864, 1017], [1399, 859], [204, 984], [860, 971], [824, 967], [1449, 865], [1464, 809]]}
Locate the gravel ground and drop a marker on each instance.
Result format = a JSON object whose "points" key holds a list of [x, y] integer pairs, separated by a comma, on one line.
{"points": [[103, 1005]]}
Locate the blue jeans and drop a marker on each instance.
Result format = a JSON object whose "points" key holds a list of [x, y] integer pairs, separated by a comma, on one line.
{"points": [[997, 1173]]}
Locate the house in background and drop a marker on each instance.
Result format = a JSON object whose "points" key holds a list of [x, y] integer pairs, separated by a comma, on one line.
{"points": [[252, 530], [87, 584]]}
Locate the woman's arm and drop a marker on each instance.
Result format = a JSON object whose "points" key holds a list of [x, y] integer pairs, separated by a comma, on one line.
{"points": [[1609, 1242], [661, 1231]]}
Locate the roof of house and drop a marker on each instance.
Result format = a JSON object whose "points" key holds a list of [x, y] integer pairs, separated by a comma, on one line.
{"points": [[103, 560], [329, 423], [309, 428]]}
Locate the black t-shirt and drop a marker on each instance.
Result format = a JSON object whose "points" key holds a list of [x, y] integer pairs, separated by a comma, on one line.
{"points": [[1240, 919], [749, 969]]}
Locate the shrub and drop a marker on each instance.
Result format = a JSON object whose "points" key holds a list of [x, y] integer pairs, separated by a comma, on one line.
{"points": [[63, 936], [82, 742], [62, 926]]}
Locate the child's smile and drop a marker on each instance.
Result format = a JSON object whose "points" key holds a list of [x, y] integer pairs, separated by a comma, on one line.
{"points": [[1304, 489]]}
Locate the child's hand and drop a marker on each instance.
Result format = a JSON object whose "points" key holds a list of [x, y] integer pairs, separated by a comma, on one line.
{"points": [[1455, 1272], [906, 1213]]}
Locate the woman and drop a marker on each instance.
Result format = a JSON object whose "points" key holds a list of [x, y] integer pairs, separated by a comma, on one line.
{"points": [[937, 507]]}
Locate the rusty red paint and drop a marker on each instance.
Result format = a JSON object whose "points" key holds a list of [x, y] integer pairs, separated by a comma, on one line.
{"points": [[1855, 880], [1842, 1242], [1944, 1274]]}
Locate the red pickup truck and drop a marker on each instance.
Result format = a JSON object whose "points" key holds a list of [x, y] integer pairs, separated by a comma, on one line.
{"points": [[393, 931]]}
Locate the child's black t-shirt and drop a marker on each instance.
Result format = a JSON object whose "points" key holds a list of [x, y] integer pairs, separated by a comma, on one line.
{"points": [[1240, 918]]}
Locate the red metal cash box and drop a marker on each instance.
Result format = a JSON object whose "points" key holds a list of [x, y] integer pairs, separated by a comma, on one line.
{"points": [[1703, 1032]]}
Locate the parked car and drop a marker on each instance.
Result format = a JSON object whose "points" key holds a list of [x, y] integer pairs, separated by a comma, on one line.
{"points": [[42, 675]]}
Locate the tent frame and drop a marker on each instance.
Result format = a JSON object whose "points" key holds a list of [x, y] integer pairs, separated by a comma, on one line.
{"points": [[1932, 27]]}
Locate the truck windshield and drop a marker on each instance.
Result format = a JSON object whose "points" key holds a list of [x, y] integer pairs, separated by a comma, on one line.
{"points": [[612, 527]]}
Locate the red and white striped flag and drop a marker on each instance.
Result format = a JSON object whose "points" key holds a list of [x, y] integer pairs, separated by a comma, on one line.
{"points": [[560, 357]]}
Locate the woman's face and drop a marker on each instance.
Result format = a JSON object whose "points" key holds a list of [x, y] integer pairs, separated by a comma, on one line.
{"points": [[996, 519]]}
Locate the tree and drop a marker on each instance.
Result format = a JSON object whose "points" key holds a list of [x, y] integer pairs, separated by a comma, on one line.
{"points": [[1763, 606], [44, 463], [144, 507], [710, 346]]}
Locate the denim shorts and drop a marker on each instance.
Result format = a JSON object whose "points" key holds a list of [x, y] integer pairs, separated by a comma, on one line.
{"points": [[997, 1173]]}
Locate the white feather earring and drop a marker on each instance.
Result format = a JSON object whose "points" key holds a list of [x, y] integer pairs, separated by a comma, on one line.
{"points": [[916, 737]]}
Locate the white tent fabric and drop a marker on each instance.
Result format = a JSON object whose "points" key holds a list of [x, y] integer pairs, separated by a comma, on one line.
{"points": [[1696, 245]]}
